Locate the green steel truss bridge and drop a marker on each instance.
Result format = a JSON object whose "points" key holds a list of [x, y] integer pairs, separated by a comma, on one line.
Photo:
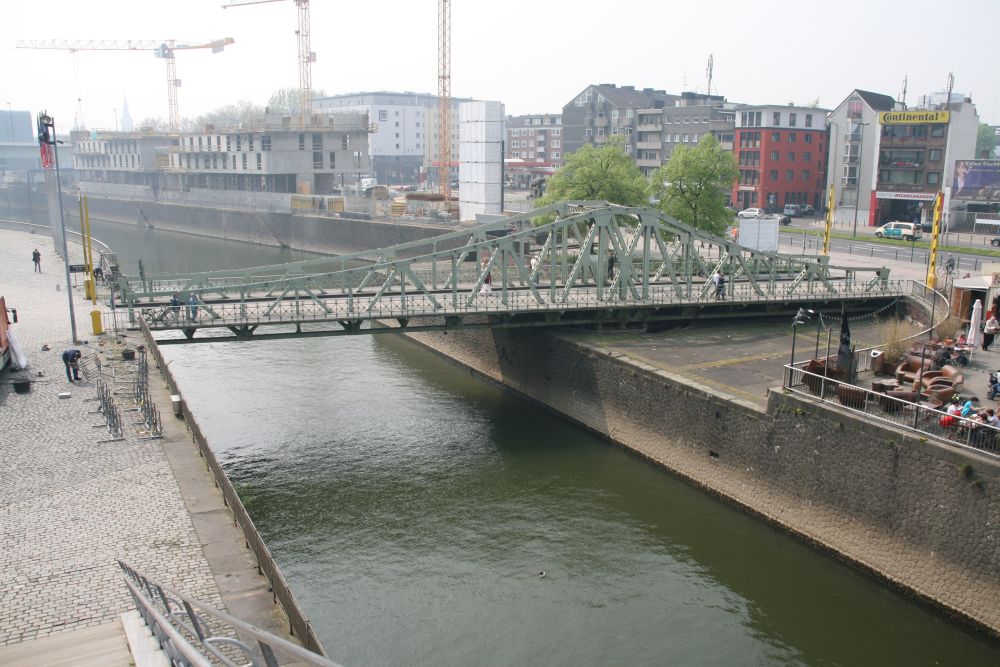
{"points": [[548, 267]]}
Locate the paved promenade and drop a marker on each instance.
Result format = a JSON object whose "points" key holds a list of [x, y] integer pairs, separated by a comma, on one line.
{"points": [[72, 501]]}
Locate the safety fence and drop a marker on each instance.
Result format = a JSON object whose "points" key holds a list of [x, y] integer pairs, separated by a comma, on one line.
{"points": [[195, 634], [106, 406]]}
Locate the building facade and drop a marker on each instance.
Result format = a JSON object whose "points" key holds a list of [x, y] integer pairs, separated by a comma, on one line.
{"points": [[853, 152], [661, 130], [404, 143], [781, 153], [917, 150], [533, 148], [605, 110], [277, 156], [18, 144]]}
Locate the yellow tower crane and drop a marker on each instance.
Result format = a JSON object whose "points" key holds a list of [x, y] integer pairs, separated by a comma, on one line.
{"points": [[161, 49], [306, 56]]}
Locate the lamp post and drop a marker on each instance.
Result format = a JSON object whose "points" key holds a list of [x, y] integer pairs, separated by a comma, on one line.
{"points": [[857, 182], [801, 317], [47, 135]]}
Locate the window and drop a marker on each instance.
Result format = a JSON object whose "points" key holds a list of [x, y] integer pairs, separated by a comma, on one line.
{"points": [[774, 174], [807, 157], [357, 158], [805, 174], [199, 143], [260, 162], [218, 142], [792, 137], [790, 175], [265, 142], [809, 139], [792, 120], [244, 161], [556, 144], [685, 138], [937, 131], [229, 143], [934, 155], [776, 136], [774, 156], [933, 177], [383, 114], [809, 120], [234, 162], [776, 120], [239, 143], [791, 156], [317, 141], [215, 164], [345, 142], [397, 122], [302, 141], [250, 143]]}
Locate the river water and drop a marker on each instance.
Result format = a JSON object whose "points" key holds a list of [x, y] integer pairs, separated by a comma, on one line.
{"points": [[413, 508]]}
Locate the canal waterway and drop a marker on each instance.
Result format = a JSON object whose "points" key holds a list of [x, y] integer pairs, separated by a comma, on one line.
{"points": [[414, 507]]}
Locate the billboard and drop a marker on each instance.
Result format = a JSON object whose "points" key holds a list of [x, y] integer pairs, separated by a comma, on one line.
{"points": [[976, 180]]}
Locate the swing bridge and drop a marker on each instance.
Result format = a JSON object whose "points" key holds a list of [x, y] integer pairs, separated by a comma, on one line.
{"points": [[572, 263]]}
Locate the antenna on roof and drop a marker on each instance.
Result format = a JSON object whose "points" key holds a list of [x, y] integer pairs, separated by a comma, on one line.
{"points": [[951, 86], [708, 72], [903, 94]]}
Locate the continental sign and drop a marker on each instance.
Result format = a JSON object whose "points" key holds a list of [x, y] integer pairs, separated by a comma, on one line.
{"points": [[913, 117]]}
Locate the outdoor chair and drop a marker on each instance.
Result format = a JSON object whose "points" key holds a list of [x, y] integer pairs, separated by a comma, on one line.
{"points": [[947, 375], [851, 396], [909, 368]]}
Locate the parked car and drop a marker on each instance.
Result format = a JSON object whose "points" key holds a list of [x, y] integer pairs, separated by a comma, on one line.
{"points": [[995, 241], [751, 213], [807, 210], [792, 210], [907, 231], [782, 218]]}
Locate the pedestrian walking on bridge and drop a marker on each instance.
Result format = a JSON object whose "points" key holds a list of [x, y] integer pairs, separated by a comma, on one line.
{"points": [[193, 307], [36, 257]]}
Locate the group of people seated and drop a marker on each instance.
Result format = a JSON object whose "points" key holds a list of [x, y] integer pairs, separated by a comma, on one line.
{"points": [[956, 409]]}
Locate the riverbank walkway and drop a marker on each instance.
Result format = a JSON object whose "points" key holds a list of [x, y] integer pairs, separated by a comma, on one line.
{"points": [[72, 500]]}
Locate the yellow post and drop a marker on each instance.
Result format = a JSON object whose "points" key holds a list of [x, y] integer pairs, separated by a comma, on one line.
{"points": [[88, 277], [830, 205], [95, 322], [90, 252], [935, 231]]}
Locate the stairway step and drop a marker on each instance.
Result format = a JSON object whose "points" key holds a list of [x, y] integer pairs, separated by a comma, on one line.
{"points": [[97, 646]]}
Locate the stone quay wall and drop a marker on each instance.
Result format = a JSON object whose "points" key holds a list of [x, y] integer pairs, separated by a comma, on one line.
{"points": [[922, 516]]}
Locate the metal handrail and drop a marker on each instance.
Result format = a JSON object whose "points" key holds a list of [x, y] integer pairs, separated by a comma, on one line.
{"points": [[191, 632], [968, 434]]}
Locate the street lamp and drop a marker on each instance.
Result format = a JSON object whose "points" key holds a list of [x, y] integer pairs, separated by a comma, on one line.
{"points": [[803, 316], [857, 181]]}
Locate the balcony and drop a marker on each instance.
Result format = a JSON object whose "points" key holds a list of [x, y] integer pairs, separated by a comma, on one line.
{"points": [[649, 145], [601, 122], [650, 127], [646, 162]]}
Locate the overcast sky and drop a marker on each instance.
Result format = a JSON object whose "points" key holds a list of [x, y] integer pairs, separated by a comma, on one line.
{"points": [[533, 56]]}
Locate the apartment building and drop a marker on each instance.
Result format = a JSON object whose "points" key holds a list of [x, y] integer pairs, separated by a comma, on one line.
{"points": [[533, 147], [661, 130], [605, 110], [18, 143], [781, 154]]}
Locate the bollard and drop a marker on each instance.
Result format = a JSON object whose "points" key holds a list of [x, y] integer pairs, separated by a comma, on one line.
{"points": [[89, 288], [95, 322]]}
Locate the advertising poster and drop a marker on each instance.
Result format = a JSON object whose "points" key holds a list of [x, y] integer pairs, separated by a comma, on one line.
{"points": [[977, 180]]}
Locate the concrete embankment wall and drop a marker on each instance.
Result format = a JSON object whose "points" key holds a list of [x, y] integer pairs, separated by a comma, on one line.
{"points": [[301, 232], [299, 625], [922, 516]]}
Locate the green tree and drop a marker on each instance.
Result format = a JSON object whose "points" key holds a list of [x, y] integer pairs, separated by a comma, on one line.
{"points": [[694, 185], [602, 173], [986, 141], [241, 114]]}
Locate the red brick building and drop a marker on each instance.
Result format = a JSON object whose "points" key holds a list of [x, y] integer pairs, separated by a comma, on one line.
{"points": [[781, 155]]}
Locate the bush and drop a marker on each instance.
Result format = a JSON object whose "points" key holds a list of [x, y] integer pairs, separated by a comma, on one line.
{"points": [[891, 335], [950, 328]]}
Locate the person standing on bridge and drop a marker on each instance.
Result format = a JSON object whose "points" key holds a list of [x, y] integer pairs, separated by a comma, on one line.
{"points": [[36, 257], [193, 307], [488, 280], [174, 308]]}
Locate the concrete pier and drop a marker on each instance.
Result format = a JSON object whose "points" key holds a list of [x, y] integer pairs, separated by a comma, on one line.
{"points": [[73, 500]]}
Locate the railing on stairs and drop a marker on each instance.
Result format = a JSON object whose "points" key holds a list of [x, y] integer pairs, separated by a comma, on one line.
{"points": [[194, 634]]}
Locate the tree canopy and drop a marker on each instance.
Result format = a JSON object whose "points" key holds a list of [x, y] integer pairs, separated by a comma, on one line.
{"points": [[694, 185], [598, 173]]}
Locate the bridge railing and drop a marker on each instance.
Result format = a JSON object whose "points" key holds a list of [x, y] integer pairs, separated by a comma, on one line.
{"points": [[464, 302], [922, 418]]}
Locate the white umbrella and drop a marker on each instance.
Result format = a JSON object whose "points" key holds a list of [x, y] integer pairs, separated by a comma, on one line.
{"points": [[973, 338]]}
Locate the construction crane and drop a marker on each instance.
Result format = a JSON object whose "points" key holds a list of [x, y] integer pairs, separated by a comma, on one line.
{"points": [[161, 49], [444, 100], [306, 56]]}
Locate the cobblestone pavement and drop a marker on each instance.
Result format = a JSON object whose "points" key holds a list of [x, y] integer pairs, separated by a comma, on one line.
{"points": [[71, 504]]}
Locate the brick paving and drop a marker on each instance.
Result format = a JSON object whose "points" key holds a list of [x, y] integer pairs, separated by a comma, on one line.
{"points": [[70, 504]]}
